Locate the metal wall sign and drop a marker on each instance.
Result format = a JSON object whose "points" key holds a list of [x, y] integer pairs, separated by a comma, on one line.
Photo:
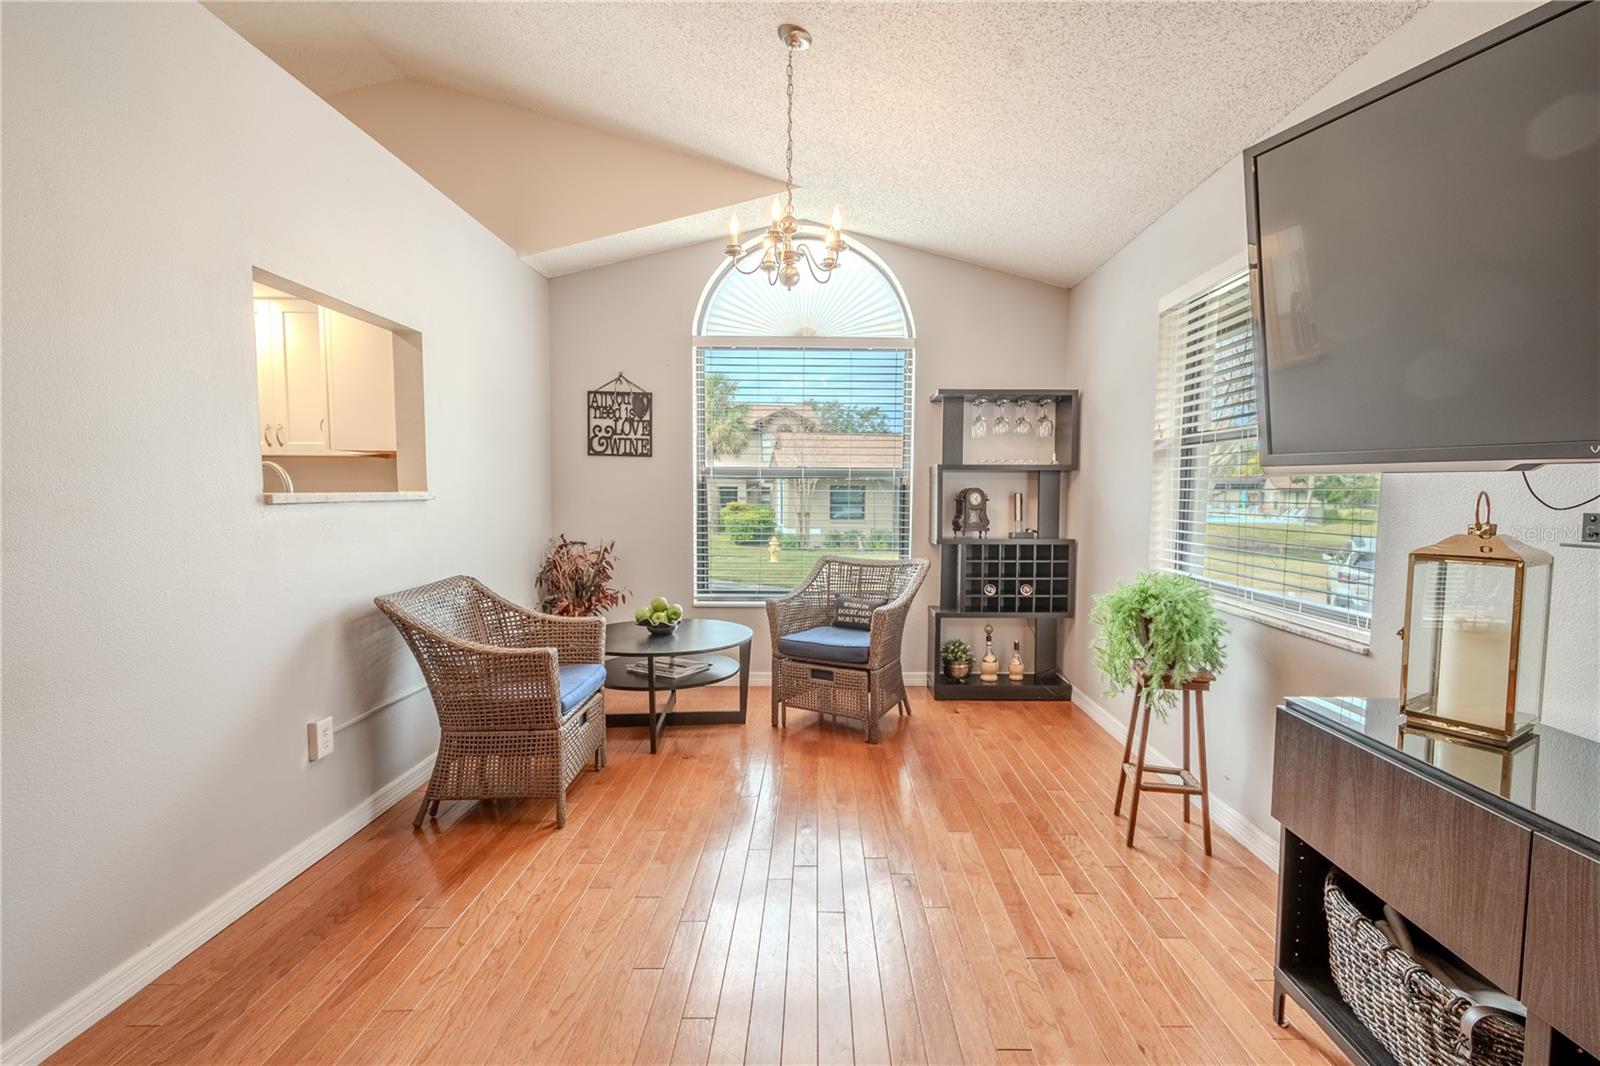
{"points": [[621, 417]]}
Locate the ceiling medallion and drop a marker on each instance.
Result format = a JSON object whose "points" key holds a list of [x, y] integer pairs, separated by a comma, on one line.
{"points": [[781, 247]]}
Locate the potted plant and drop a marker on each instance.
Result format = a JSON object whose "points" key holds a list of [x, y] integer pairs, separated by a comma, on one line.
{"points": [[1165, 621], [957, 657], [575, 579]]}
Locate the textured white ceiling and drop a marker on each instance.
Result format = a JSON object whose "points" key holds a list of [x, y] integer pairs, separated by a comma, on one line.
{"points": [[1036, 138]]}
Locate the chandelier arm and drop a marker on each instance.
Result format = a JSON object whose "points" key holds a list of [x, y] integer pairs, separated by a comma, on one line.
{"points": [[811, 265], [746, 254]]}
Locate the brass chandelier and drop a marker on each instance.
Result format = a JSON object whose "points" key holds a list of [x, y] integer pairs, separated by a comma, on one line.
{"points": [[781, 247]]}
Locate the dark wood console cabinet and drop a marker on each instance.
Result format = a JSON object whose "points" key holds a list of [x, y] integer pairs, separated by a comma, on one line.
{"points": [[1494, 855]]}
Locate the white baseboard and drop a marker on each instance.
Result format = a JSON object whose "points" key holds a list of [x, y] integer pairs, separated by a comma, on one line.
{"points": [[1256, 840], [87, 1007]]}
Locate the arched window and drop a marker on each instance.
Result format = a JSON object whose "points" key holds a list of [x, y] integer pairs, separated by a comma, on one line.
{"points": [[802, 420]]}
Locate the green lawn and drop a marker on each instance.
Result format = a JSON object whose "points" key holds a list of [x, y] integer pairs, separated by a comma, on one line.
{"points": [[1254, 555], [747, 564], [1248, 555]]}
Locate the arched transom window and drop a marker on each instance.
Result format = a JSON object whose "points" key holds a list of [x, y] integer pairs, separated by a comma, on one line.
{"points": [[802, 418]]}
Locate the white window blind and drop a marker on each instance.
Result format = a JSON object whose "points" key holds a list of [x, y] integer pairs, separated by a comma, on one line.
{"points": [[816, 444], [1295, 548]]}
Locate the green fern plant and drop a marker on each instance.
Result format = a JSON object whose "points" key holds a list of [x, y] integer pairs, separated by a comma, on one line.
{"points": [[1165, 619]]}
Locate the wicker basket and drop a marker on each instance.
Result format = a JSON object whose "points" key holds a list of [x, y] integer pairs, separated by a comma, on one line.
{"points": [[826, 690], [1416, 1018]]}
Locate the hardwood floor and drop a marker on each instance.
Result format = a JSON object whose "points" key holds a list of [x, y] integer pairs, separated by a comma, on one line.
{"points": [[958, 893]]}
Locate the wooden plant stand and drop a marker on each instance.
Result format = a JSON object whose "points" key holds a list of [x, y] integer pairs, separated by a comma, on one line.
{"points": [[1176, 780]]}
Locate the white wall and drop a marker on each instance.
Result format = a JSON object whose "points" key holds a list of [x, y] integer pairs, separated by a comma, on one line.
{"points": [[1112, 339], [167, 635], [974, 327]]}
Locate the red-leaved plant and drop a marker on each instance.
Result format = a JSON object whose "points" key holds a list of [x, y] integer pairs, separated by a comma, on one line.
{"points": [[575, 579]]}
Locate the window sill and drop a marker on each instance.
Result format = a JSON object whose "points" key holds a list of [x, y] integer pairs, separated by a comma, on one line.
{"points": [[1299, 629], [757, 604], [281, 498]]}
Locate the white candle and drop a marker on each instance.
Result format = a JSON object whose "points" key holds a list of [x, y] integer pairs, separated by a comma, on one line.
{"points": [[1474, 657]]}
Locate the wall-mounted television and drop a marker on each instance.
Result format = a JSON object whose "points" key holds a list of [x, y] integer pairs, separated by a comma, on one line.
{"points": [[1425, 262]]}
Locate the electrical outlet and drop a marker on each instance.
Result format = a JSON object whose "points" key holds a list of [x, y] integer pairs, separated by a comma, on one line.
{"points": [[1591, 527], [319, 739]]}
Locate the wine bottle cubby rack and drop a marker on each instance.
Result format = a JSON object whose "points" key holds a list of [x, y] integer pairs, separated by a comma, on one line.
{"points": [[1016, 577]]}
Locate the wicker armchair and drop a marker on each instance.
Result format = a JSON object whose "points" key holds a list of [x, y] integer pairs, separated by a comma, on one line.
{"points": [[519, 694], [819, 667]]}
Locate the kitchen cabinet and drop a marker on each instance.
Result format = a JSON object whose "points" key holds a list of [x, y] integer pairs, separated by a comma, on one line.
{"points": [[305, 381], [269, 376], [360, 358], [325, 381]]}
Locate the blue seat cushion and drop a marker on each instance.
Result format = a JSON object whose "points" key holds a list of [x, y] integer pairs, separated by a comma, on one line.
{"points": [[827, 644], [578, 683]]}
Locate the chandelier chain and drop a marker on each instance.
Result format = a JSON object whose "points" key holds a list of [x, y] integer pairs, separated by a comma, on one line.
{"points": [[788, 158]]}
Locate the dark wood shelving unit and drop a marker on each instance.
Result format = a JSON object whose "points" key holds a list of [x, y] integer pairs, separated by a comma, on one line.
{"points": [[1508, 886], [1031, 579], [1312, 988], [1014, 468]]}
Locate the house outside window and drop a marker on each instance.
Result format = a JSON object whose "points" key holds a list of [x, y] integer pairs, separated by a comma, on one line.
{"points": [[847, 503], [803, 407], [1293, 550]]}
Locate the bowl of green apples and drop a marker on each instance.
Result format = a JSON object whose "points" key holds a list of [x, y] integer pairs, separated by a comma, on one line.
{"points": [[659, 616]]}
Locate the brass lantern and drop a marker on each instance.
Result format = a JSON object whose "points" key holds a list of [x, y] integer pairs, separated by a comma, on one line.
{"points": [[1477, 613]]}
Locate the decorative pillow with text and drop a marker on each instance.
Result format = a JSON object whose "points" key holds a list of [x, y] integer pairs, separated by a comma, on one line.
{"points": [[854, 612]]}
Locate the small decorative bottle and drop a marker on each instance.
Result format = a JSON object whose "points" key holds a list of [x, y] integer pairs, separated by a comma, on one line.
{"points": [[989, 667], [1014, 668]]}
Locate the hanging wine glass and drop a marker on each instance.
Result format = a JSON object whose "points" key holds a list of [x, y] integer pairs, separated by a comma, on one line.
{"points": [[980, 424], [1002, 424], [1022, 427], [1047, 423]]}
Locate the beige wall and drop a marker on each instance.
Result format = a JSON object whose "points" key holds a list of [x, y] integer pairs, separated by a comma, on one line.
{"points": [[974, 326], [536, 181], [1112, 350], [167, 637]]}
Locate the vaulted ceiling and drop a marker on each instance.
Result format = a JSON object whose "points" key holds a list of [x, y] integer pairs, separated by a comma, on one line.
{"points": [[1035, 138]]}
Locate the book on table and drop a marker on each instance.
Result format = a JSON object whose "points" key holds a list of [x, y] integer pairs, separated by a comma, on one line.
{"points": [[669, 668]]}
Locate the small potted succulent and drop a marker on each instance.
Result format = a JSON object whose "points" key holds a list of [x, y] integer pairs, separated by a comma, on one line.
{"points": [[957, 657], [1165, 621]]}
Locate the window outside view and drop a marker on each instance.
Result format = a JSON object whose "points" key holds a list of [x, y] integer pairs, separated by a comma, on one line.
{"points": [[804, 453], [1293, 544]]}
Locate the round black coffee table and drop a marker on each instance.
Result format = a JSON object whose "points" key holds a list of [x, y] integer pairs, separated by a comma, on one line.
{"points": [[695, 638]]}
